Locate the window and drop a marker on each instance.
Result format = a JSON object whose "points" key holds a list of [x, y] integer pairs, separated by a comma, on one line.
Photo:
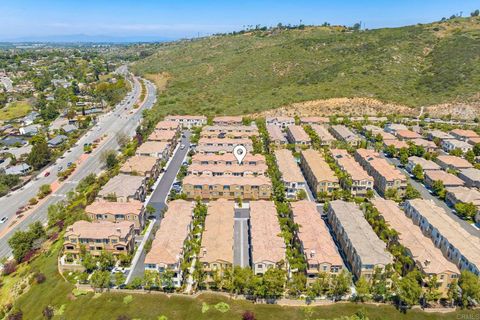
{"points": [[260, 266]]}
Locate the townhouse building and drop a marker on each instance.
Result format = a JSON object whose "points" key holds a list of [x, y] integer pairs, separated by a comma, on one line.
{"points": [[428, 258], [279, 121], [323, 134], [424, 163], [464, 195], [228, 120], [407, 135], [232, 132], [385, 175], [166, 125], [124, 188], [227, 187], [292, 177], [343, 133], [428, 146], [453, 144], [471, 177], [116, 212], [464, 135], [318, 247], [188, 121], [228, 159], [362, 249], [453, 162], [157, 149], [359, 181], [314, 120], [397, 144], [296, 135], [235, 169], [439, 135], [96, 237], [317, 172], [457, 244], [394, 127], [169, 136], [225, 145], [448, 179], [276, 136], [267, 245], [216, 252], [167, 251], [474, 141], [146, 166]]}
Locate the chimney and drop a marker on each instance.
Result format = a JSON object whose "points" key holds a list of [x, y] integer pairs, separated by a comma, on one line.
{"points": [[427, 262], [312, 253], [118, 230]]}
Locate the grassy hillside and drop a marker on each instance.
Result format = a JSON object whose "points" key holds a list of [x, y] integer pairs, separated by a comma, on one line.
{"points": [[236, 74]]}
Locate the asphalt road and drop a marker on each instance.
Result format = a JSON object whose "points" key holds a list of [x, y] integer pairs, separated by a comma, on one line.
{"points": [[160, 194], [117, 121], [428, 196], [241, 236]]}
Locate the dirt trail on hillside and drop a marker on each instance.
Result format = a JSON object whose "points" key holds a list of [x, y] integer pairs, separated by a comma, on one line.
{"points": [[372, 107]]}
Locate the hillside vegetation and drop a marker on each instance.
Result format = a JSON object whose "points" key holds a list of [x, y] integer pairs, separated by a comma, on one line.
{"points": [[236, 74]]}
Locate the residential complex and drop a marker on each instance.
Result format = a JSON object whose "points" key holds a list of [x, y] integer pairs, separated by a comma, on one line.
{"points": [[453, 162], [216, 252], [296, 135], [228, 120], [317, 245], [464, 135], [343, 133], [317, 172], [292, 177], [124, 188], [155, 149], [166, 252], [267, 244], [471, 177], [323, 134], [359, 181], [453, 144], [385, 175], [232, 132], [228, 187], [457, 244], [464, 195], [427, 257], [276, 135], [281, 122], [448, 179], [132, 211], [188, 121], [228, 159], [96, 237], [422, 162], [142, 165], [363, 250]]}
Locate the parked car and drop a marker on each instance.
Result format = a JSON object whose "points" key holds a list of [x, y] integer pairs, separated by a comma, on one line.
{"points": [[182, 146], [47, 174], [69, 164], [3, 220], [59, 168]]}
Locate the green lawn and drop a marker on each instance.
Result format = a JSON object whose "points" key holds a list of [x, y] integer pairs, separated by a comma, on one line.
{"points": [[15, 110], [58, 293]]}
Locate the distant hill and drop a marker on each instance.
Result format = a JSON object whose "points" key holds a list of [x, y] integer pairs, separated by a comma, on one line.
{"points": [[413, 66]]}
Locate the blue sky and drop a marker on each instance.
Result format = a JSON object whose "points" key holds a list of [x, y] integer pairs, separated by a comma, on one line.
{"points": [[187, 18]]}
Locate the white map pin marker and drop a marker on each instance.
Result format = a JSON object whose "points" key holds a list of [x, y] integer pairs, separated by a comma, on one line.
{"points": [[239, 152]]}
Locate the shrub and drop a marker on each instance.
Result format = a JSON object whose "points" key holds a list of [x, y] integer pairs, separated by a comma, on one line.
{"points": [[33, 201], [9, 267], [40, 277], [48, 312], [248, 315], [15, 315], [123, 317], [128, 299], [222, 307]]}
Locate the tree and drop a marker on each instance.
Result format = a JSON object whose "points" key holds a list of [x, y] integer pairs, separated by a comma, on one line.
{"points": [[122, 138], [88, 262], [452, 293], [44, 190], [150, 210], [438, 188], [470, 156], [363, 289], [273, 283], [40, 154], [105, 261], [340, 284], [476, 149], [403, 155], [297, 284], [417, 172], [100, 280], [475, 13], [409, 290], [411, 192], [110, 158], [470, 287], [22, 242], [432, 294], [456, 152], [301, 194], [391, 193], [466, 210]]}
